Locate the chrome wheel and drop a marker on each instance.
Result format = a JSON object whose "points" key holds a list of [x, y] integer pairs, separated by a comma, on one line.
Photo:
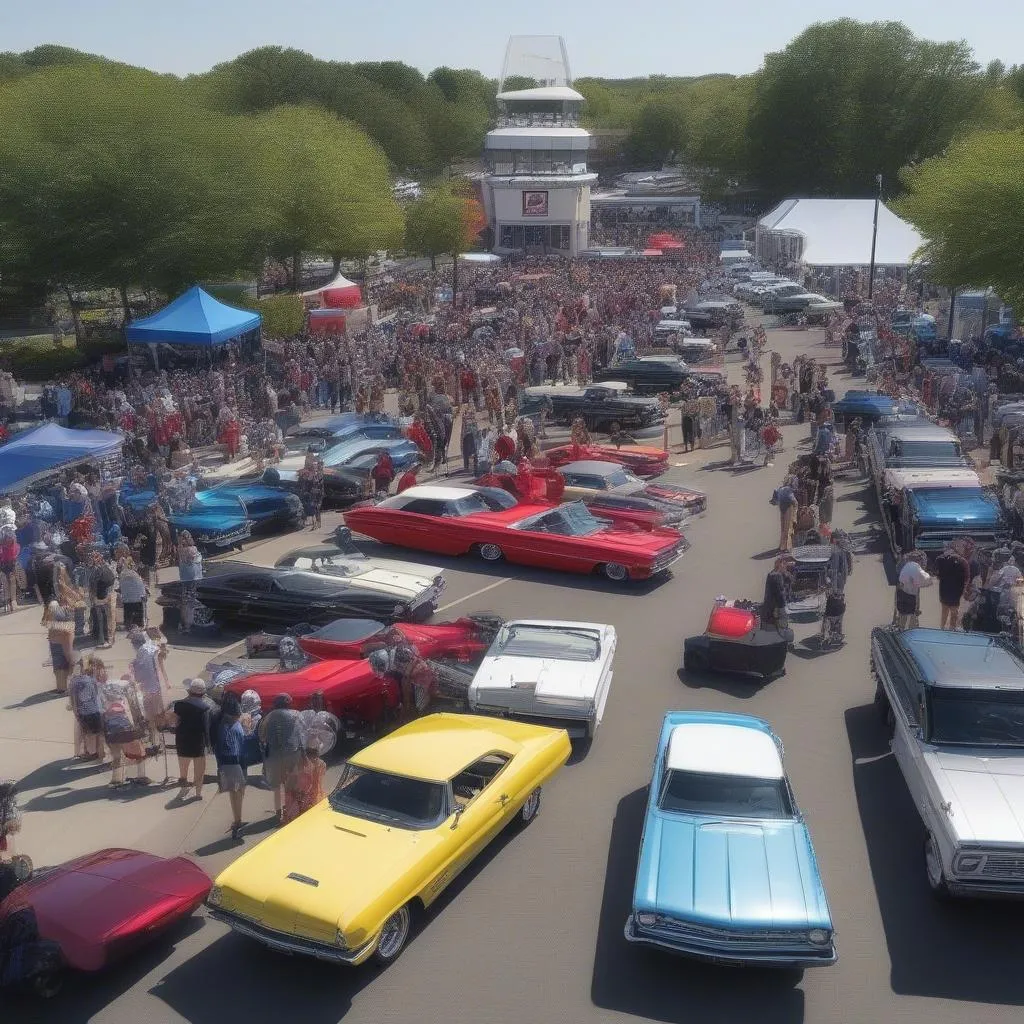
{"points": [[616, 572], [529, 810], [393, 935], [933, 866], [490, 552]]}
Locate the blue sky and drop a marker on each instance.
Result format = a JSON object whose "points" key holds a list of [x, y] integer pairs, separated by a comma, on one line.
{"points": [[604, 38]]}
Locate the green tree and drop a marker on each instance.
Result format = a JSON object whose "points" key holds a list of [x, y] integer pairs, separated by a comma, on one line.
{"points": [[969, 204], [657, 134], [109, 177], [846, 100], [442, 222], [322, 187]]}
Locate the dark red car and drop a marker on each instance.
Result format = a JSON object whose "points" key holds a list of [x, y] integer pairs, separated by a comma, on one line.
{"points": [[101, 907], [642, 460], [464, 639]]}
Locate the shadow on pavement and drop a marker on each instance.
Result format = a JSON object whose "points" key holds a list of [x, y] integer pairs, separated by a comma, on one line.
{"points": [[646, 983], [964, 950], [519, 573], [57, 773], [734, 685], [85, 996], [36, 698]]}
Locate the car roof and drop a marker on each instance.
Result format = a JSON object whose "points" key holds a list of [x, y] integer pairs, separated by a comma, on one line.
{"points": [[563, 624], [724, 749], [435, 751], [436, 493], [917, 432], [963, 660], [593, 466]]}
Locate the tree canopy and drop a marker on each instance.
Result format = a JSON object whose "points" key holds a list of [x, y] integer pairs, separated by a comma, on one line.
{"points": [[969, 204], [442, 221], [847, 100]]}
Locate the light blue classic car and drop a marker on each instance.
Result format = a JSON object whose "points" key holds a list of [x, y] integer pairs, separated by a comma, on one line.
{"points": [[727, 872]]}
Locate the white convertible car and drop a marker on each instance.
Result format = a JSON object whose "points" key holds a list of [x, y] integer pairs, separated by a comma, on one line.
{"points": [[541, 671]]}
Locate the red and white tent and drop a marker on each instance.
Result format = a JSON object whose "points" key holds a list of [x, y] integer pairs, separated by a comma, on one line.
{"points": [[339, 293]]}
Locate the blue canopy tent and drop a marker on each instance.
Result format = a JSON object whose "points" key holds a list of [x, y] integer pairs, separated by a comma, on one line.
{"points": [[194, 318], [37, 453]]}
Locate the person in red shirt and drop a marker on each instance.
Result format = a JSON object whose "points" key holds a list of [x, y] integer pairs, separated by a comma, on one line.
{"points": [[383, 473], [408, 479]]}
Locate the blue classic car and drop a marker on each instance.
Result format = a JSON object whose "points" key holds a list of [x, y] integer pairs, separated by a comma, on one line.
{"points": [[727, 872], [871, 407], [347, 426], [925, 518], [218, 522], [269, 508]]}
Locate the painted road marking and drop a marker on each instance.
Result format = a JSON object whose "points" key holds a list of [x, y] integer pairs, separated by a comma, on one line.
{"points": [[476, 593]]}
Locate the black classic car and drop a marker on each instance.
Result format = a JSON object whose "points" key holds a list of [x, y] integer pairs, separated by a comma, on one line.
{"points": [[647, 374], [602, 408], [283, 597]]}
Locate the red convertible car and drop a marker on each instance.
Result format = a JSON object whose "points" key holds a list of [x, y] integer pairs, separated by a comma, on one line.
{"points": [[350, 689], [101, 907], [642, 460], [458, 520], [464, 639]]}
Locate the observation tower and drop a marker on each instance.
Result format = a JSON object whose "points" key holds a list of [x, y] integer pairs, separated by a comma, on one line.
{"points": [[536, 189]]}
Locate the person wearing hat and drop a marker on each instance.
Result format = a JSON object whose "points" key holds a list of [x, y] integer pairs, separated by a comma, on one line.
{"points": [[192, 736], [777, 594]]}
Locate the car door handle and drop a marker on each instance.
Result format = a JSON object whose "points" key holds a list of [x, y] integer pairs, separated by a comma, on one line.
{"points": [[504, 799]]}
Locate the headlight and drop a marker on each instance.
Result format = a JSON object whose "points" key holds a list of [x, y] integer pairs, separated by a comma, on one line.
{"points": [[819, 936], [966, 863], [339, 939], [647, 920], [215, 897]]}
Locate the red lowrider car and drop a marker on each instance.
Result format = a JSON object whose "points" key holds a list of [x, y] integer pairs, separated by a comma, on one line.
{"points": [[642, 460], [350, 689], [462, 640], [458, 520], [101, 907]]}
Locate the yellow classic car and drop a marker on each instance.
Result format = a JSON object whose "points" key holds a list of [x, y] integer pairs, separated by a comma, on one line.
{"points": [[344, 881]]}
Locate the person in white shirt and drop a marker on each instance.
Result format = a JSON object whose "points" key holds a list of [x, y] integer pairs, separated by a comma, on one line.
{"points": [[908, 591]]}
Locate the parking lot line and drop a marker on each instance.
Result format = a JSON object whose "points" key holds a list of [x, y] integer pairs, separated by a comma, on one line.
{"points": [[476, 593]]}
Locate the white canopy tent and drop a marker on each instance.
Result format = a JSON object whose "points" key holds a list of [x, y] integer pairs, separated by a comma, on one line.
{"points": [[835, 233]]}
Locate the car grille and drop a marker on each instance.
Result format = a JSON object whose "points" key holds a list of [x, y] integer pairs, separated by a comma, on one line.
{"points": [[725, 935], [663, 561], [1003, 865]]}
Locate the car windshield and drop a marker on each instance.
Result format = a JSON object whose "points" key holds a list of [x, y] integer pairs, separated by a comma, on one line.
{"points": [[392, 799], [522, 640], [728, 796], [924, 449], [618, 477], [571, 520], [491, 501], [977, 718]]}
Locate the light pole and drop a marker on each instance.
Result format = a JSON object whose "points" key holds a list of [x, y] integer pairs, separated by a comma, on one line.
{"points": [[874, 238]]}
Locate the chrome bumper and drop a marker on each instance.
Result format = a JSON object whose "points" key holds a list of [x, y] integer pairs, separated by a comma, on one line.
{"points": [[227, 540], [715, 953], [984, 889], [293, 945]]}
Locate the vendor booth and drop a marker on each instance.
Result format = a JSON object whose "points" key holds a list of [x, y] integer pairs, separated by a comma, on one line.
{"points": [[38, 453], [338, 293], [195, 319]]}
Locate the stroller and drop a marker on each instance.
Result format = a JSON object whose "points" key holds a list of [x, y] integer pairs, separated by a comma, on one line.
{"points": [[809, 571]]}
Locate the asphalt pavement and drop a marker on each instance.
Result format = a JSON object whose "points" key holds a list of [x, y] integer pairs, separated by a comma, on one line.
{"points": [[533, 931]]}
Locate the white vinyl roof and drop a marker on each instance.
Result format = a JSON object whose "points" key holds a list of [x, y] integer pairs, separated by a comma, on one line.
{"points": [[837, 232], [543, 92], [719, 749], [434, 493]]}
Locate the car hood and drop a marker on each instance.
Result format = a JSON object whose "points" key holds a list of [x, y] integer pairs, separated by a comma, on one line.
{"points": [[728, 873], [343, 865], [547, 678], [984, 793], [393, 581]]}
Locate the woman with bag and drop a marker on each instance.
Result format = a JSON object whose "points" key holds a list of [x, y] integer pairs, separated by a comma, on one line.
{"points": [[124, 725], [191, 737]]}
